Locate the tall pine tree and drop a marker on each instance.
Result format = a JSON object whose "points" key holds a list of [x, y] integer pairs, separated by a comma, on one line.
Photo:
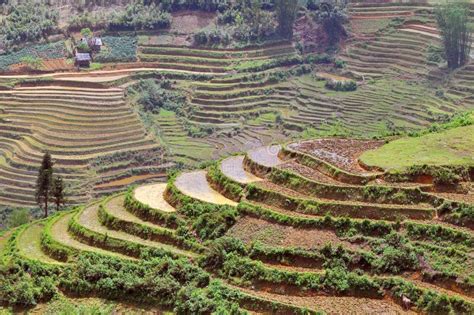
{"points": [[44, 183], [57, 192], [456, 32]]}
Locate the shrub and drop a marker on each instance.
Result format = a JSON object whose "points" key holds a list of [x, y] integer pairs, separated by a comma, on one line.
{"points": [[396, 254], [340, 64], [153, 96], [18, 217], [32, 62], [435, 54], [343, 86], [92, 20], [138, 16], [213, 37], [28, 21], [210, 221]]}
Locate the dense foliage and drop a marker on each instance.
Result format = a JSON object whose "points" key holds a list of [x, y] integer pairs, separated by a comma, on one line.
{"points": [[456, 32], [153, 95], [138, 16], [52, 50], [28, 22], [344, 86], [118, 49]]}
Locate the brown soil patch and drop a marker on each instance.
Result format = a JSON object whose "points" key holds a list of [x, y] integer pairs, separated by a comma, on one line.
{"points": [[467, 197], [343, 153], [250, 229], [189, 22], [335, 304], [309, 173]]}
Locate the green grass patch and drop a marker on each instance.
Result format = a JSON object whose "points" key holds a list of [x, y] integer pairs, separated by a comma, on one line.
{"points": [[450, 147]]}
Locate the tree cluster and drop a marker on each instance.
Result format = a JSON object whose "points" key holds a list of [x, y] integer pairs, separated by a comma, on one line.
{"points": [[49, 187], [28, 22], [456, 32]]}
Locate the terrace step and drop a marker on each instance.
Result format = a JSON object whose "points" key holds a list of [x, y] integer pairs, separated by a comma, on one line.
{"points": [[233, 168], [29, 244], [89, 219], [61, 234], [153, 196], [195, 185], [265, 156]]}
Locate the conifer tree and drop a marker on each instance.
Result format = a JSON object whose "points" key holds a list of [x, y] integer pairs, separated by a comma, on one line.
{"points": [[58, 193], [456, 32], [44, 182]]}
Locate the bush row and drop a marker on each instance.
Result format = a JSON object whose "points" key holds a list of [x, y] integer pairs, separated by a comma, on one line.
{"points": [[376, 194], [229, 188], [156, 234], [317, 207], [148, 213]]}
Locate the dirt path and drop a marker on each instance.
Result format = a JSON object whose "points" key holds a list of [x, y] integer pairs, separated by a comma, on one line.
{"points": [[234, 169], [152, 195], [266, 156], [60, 233], [101, 75], [195, 185]]}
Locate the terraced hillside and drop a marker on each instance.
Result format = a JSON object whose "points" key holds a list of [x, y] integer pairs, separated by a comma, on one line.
{"points": [[237, 99], [304, 226], [83, 127]]}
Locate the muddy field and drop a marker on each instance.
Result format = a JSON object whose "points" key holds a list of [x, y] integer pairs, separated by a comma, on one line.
{"points": [[343, 153]]}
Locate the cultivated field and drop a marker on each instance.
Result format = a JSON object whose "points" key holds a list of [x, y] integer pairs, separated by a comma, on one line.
{"points": [[298, 205]]}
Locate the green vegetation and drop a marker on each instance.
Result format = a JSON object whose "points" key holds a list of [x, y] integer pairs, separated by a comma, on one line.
{"points": [[456, 31], [138, 16], [299, 229], [32, 62], [52, 50], [449, 147], [153, 96], [118, 49], [343, 86], [27, 22], [286, 14]]}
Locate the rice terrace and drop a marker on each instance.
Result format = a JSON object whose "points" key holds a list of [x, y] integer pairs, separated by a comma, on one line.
{"points": [[237, 157]]}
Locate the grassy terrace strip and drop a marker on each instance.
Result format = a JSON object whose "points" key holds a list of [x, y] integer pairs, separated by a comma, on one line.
{"points": [[369, 193], [365, 227], [107, 242], [317, 207], [58, 242], [326, 168], [51, 246], [149, 231], [439, 233], [223, 184], [15, 244], [148, 213]]}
